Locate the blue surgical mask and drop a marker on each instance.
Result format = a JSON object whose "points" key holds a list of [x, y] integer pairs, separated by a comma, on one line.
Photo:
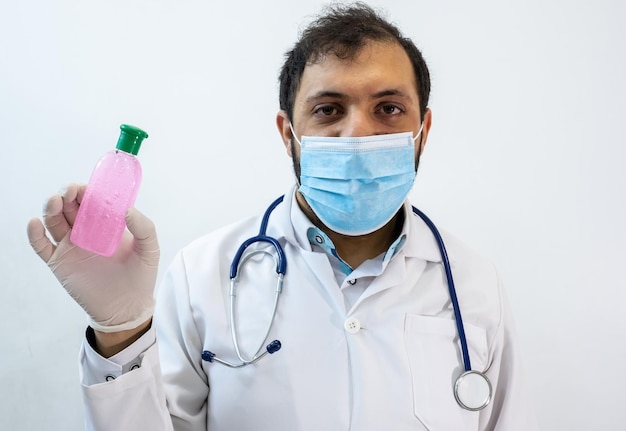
{"points": [[355, 185]]}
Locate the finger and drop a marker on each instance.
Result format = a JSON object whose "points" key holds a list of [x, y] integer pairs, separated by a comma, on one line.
{"points": [[38, 239], [142, 228], [70, 203], [81, 192], [54, 219]]}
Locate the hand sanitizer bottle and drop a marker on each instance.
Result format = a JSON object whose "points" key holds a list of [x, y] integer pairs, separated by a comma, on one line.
{"points": [[111, 191]]}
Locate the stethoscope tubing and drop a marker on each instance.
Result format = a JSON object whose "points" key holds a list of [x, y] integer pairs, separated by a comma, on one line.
{"points": [[451, 289], [233, 311], [281, 263], [238, 261]]}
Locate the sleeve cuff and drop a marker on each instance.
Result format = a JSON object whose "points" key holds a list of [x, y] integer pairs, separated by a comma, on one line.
{"points": [[98, 369]]}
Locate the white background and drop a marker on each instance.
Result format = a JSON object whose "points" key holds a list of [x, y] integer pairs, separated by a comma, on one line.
{"points": [[525, 162]]}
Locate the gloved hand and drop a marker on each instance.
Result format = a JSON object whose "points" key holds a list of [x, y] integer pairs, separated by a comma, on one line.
{"points": [[117, 291]]}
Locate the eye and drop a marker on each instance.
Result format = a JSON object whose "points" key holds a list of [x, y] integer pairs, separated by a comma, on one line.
{"points": [[390, 109], [326, 110]]}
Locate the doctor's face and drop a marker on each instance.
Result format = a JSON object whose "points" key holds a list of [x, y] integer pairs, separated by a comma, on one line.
{"points": [[373, 93]]}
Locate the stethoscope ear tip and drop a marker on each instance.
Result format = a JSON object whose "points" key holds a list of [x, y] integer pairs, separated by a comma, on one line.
{"points": [[208, 356], [273, 347]]}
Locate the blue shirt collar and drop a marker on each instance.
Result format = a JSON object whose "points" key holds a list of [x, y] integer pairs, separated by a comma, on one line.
{"points": [[310, 237]]}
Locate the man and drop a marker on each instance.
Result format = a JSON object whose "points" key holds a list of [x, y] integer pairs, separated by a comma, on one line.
{"points": [[368, 332]]}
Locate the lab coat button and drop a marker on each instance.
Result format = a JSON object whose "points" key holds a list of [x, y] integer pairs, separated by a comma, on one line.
{"points": [[109, 377], [352, 325]]}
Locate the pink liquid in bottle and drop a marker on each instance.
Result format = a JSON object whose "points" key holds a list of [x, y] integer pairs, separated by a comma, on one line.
{"points": [[111, 191]]}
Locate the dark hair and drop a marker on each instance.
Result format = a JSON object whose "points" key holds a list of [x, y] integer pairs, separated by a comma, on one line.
{"points": [[343, 30]]}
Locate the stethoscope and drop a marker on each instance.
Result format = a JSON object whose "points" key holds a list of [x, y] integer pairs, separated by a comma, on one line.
{"points": [[472, 389]]}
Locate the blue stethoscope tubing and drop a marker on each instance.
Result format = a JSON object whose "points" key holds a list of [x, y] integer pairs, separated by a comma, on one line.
{"points": [[281, 266], [472, 389], [451, 289], [238, 261]]}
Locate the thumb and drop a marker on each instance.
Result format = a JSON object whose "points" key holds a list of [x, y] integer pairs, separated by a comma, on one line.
{"points": [[144, 231]]}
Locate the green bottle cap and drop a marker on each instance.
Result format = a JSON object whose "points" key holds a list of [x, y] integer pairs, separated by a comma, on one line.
{"points": [[130, 139]]}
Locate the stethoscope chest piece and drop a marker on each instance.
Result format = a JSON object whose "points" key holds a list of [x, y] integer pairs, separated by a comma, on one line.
{"points": [[472, 390]]}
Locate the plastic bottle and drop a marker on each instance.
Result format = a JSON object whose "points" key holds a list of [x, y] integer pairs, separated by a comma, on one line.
{"points": [[111, 191]]}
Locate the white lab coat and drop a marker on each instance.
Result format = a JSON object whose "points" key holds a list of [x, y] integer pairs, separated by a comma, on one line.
{"points": [[393, 368]]}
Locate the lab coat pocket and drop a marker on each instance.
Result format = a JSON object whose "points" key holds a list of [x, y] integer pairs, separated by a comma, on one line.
{"points": [[435, 361]]}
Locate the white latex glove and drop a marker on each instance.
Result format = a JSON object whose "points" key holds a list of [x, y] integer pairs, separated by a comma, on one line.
{"points": [[117, 291]]}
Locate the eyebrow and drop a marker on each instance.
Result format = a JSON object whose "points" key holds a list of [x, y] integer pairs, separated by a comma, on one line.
{"points": [[325, 94], [336, 95], [391, 92]]}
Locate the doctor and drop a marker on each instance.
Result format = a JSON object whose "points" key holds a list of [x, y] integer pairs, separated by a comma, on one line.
{"points": [[365, 319]]}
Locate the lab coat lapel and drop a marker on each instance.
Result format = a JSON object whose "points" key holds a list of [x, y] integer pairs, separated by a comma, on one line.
{"points": [[419, 249], [421, 242], [317, 264]]}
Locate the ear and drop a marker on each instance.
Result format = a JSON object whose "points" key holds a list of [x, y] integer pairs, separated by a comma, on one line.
{"points": [[282, 121], [428, 122]]}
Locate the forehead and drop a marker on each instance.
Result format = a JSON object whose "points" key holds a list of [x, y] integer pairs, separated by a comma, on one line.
{"points": [[378, 66]]}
